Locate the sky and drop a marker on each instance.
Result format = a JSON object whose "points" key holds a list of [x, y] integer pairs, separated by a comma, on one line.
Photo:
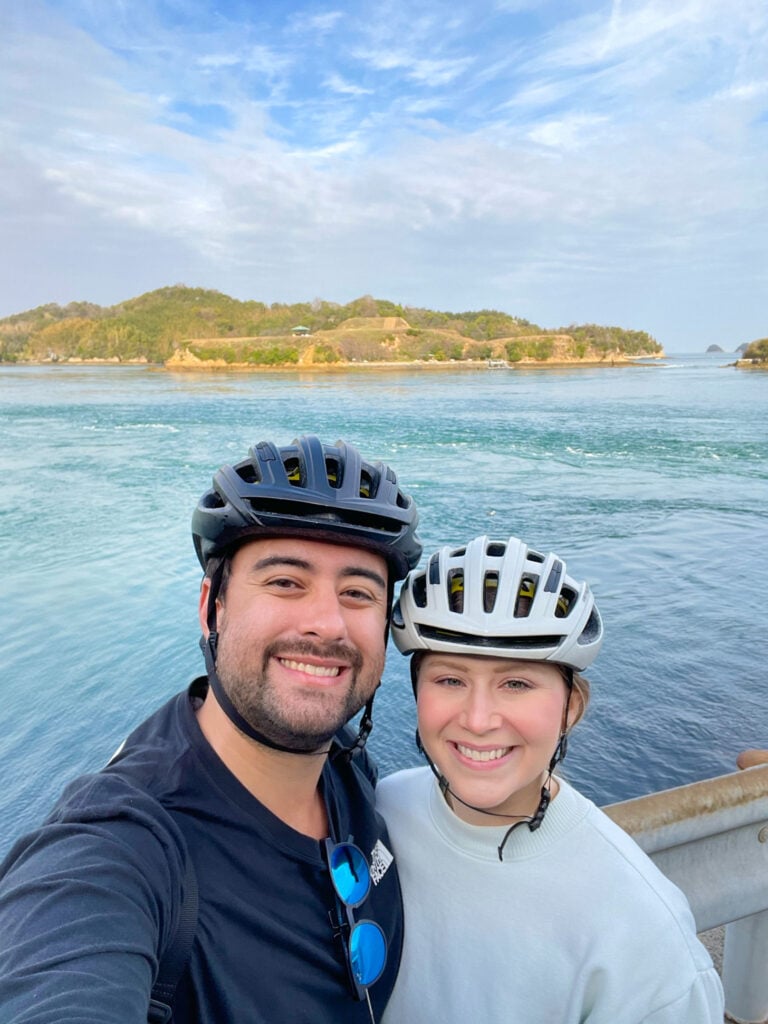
{"points": [[565, 161]]}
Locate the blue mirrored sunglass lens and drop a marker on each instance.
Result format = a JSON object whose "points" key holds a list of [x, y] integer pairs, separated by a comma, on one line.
{"points": [[367, 952], [350, 874]]}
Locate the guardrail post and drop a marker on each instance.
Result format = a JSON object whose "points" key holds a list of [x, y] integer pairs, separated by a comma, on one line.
{"points": [[711, 839], [745, 969]]}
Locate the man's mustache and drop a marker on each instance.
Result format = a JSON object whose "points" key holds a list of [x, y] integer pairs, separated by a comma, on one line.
{"points": [[333, 651]]}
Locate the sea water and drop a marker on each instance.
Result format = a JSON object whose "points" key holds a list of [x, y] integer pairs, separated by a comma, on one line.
{"points": [[650, 480]]}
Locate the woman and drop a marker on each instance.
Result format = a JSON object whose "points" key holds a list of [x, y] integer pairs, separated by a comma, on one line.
{"points": [[524, 902]]}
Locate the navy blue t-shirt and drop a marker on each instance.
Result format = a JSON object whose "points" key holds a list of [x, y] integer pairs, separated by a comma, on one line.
{"points": [[89, 902]]}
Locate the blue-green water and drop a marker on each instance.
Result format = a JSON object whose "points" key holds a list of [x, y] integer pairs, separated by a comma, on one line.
{"points": [[652, 481]]}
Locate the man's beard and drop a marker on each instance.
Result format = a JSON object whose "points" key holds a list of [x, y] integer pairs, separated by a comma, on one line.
{"points": [[305, 723]]}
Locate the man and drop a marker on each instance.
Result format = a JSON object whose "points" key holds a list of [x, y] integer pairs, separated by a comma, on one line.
{"points": [[246, 788]]}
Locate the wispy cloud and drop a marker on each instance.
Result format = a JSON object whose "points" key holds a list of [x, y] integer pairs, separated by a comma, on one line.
{"points": [[338, 84], [425, 71], [567, 133], [315, 23]]}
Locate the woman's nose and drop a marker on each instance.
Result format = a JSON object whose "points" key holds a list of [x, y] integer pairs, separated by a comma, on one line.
{"points": [[479, 713]]}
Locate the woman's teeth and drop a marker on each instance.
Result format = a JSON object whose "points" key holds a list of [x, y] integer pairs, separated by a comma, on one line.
{"points": [[482, 755]]}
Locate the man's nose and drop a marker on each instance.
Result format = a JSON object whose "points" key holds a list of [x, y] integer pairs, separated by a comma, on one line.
{"points": [[323, 616]]}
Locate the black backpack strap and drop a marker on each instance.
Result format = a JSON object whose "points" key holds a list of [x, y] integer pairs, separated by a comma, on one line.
{"points": [[174, 960]]}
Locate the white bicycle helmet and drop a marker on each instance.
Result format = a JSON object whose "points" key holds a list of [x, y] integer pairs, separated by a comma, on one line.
{"points": [[501, 599]]}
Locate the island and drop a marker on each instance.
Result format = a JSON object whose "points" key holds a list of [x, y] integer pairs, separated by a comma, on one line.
{"points": [[183, 328]]}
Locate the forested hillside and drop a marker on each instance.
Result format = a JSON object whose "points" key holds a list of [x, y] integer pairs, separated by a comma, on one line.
{"points": [[189, 325]]}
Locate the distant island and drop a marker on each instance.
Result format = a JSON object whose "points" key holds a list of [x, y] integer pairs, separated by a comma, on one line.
{"points": [[199, 329]]}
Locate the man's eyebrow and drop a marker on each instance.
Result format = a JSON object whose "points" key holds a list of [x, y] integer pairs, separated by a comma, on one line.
{"points": [[369, 574], [301, 563], [267, 563]]}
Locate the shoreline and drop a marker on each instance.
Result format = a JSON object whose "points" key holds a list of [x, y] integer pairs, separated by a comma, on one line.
{"points": [[220, 366]]}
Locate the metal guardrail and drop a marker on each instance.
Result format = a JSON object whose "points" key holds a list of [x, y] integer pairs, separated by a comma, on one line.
{"points": [[711, 839]]}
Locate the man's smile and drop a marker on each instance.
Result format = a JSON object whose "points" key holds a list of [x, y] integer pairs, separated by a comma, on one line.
{"points": [[309, 669]]}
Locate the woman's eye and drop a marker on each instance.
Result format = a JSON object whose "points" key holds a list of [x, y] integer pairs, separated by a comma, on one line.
{"points": [[449, 681], [516, 684]]}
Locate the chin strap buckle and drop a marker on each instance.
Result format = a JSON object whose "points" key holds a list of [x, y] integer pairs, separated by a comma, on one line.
{"points": [[541, 810], [345, 754]]}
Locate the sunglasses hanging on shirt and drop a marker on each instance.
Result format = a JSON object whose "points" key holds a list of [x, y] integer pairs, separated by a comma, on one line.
{"points": [[364, 942]]}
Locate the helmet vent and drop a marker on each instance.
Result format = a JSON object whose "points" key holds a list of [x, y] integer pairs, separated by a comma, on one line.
{"points": [[592, 629], [555, 575], [212, 500], [419, 590], [496, 550], [296, 512], [433, 568], [490, 590], [525, 596], [293, 472], [333, 472], [564, 602], [508, 643], [456, 590], [247, 472], [367, 485]]}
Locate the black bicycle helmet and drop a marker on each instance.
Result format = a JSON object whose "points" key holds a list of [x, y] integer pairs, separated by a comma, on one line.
{"points": [[308, 489]]}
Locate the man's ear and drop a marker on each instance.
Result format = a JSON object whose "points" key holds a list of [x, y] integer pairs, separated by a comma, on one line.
{"points": [[202, 607]]}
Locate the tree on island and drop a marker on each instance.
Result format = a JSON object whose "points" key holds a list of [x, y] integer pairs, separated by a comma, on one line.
{"points": [[757, 351]]}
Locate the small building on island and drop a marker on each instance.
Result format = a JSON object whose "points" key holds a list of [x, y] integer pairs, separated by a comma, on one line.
{"points": [[300, 331]]}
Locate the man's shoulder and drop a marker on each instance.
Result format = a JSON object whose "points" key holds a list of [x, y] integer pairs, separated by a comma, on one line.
{"points": [[151, 755], [102, 794], [135, 783]]}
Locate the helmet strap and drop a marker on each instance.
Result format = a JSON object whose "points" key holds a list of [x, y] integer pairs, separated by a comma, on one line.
{"points": [[226, 705], [560, 751], [562, 744], [445, 787], [345, 754]]}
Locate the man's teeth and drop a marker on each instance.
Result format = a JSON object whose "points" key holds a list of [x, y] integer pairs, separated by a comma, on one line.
{"points": [[311, 670], [482, 755]]}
